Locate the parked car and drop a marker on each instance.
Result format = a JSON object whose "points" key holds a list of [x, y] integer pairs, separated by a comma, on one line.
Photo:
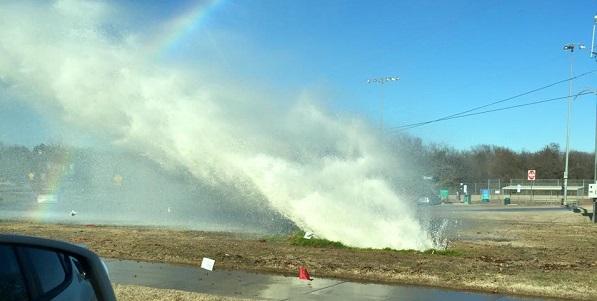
{"points": [[429, 200], [33, 268]]}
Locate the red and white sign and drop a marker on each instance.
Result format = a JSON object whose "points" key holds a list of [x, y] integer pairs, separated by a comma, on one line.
{"points": [[531, 175]]}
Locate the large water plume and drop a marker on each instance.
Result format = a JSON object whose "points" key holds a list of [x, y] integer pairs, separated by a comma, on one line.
{"points": [[328, 174]]}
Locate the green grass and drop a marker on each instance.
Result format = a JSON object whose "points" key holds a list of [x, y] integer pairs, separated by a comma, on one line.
{"points": [[318, 243], [297, 239]]}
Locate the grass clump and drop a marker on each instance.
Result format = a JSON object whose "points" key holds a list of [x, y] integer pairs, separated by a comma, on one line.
{"points": [[444, 252], [298, 239], [428, 251]]}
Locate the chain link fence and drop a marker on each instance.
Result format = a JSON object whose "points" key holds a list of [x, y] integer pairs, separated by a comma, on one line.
{"points": [[539, 190]]}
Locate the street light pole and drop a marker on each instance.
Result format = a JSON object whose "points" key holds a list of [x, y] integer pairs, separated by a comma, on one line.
{"points": [[583, 92], [569, 47], [593, 53], [381, 81]]}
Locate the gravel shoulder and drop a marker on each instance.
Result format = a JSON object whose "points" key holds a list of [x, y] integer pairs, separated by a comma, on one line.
{"points": [[540, 254]]}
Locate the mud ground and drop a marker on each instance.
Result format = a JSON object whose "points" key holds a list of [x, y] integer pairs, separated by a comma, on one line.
{"points": [[539, 254]]}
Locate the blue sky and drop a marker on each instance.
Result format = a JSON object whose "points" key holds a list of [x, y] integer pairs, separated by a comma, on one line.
{"points": [[452, 56]]}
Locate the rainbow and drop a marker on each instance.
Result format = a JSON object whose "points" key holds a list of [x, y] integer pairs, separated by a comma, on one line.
{"points": [[46, 181], [50, 175], [181, 26]]}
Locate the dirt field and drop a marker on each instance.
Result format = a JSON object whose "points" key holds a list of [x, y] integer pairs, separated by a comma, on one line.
{"points": [[542, 254]]}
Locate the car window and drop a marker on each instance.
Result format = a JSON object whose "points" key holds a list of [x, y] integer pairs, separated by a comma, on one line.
{"points": [[12, 285], [49, 268]]}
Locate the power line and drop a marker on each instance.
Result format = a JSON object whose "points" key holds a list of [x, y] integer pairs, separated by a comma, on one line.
{"points": [[410, 126], [470, 111]]}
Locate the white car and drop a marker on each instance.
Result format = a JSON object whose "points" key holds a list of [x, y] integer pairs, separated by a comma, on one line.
{"points": [[429, 200]]}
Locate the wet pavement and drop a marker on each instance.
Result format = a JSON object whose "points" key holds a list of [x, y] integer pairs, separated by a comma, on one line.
{"points": [[275, 287]]}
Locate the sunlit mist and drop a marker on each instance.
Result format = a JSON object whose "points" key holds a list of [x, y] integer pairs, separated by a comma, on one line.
{"points": [[81, 66]]}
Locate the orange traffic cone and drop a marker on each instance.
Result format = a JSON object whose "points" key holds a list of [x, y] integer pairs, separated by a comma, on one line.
{"points": [[303, 274]]}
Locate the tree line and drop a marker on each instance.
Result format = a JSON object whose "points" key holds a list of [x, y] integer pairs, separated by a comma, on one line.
{"points": [[446, 166]]}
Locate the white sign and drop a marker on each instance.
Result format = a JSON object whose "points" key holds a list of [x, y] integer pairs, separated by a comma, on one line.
{"points": [[208, 264], [518, 188], [531, 175], [47, 198], [593, 191]]}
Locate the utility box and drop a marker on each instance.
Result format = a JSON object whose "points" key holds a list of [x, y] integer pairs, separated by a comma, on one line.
{"points": [[485, 195], [467, 199], [507, 201], [593, 191], [444, 193]]}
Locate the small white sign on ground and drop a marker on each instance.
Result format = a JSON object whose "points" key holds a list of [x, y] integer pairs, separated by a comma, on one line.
{"points": [[208, 264]]}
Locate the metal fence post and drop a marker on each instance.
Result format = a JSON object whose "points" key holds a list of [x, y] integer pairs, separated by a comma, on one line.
{"points": [[594, 217]]}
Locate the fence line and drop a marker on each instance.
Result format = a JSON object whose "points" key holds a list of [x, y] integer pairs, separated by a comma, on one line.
{"points": [[495, 187]]}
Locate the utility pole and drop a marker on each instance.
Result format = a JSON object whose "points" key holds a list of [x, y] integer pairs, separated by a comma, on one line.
{"points": [[593, 54]]}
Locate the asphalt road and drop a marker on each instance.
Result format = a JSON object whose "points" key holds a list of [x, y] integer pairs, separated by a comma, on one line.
{"points": [[275, 287]]}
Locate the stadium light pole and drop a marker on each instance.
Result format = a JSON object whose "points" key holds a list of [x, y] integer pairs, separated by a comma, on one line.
{"points": [[569, 47], [381, 80]]}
